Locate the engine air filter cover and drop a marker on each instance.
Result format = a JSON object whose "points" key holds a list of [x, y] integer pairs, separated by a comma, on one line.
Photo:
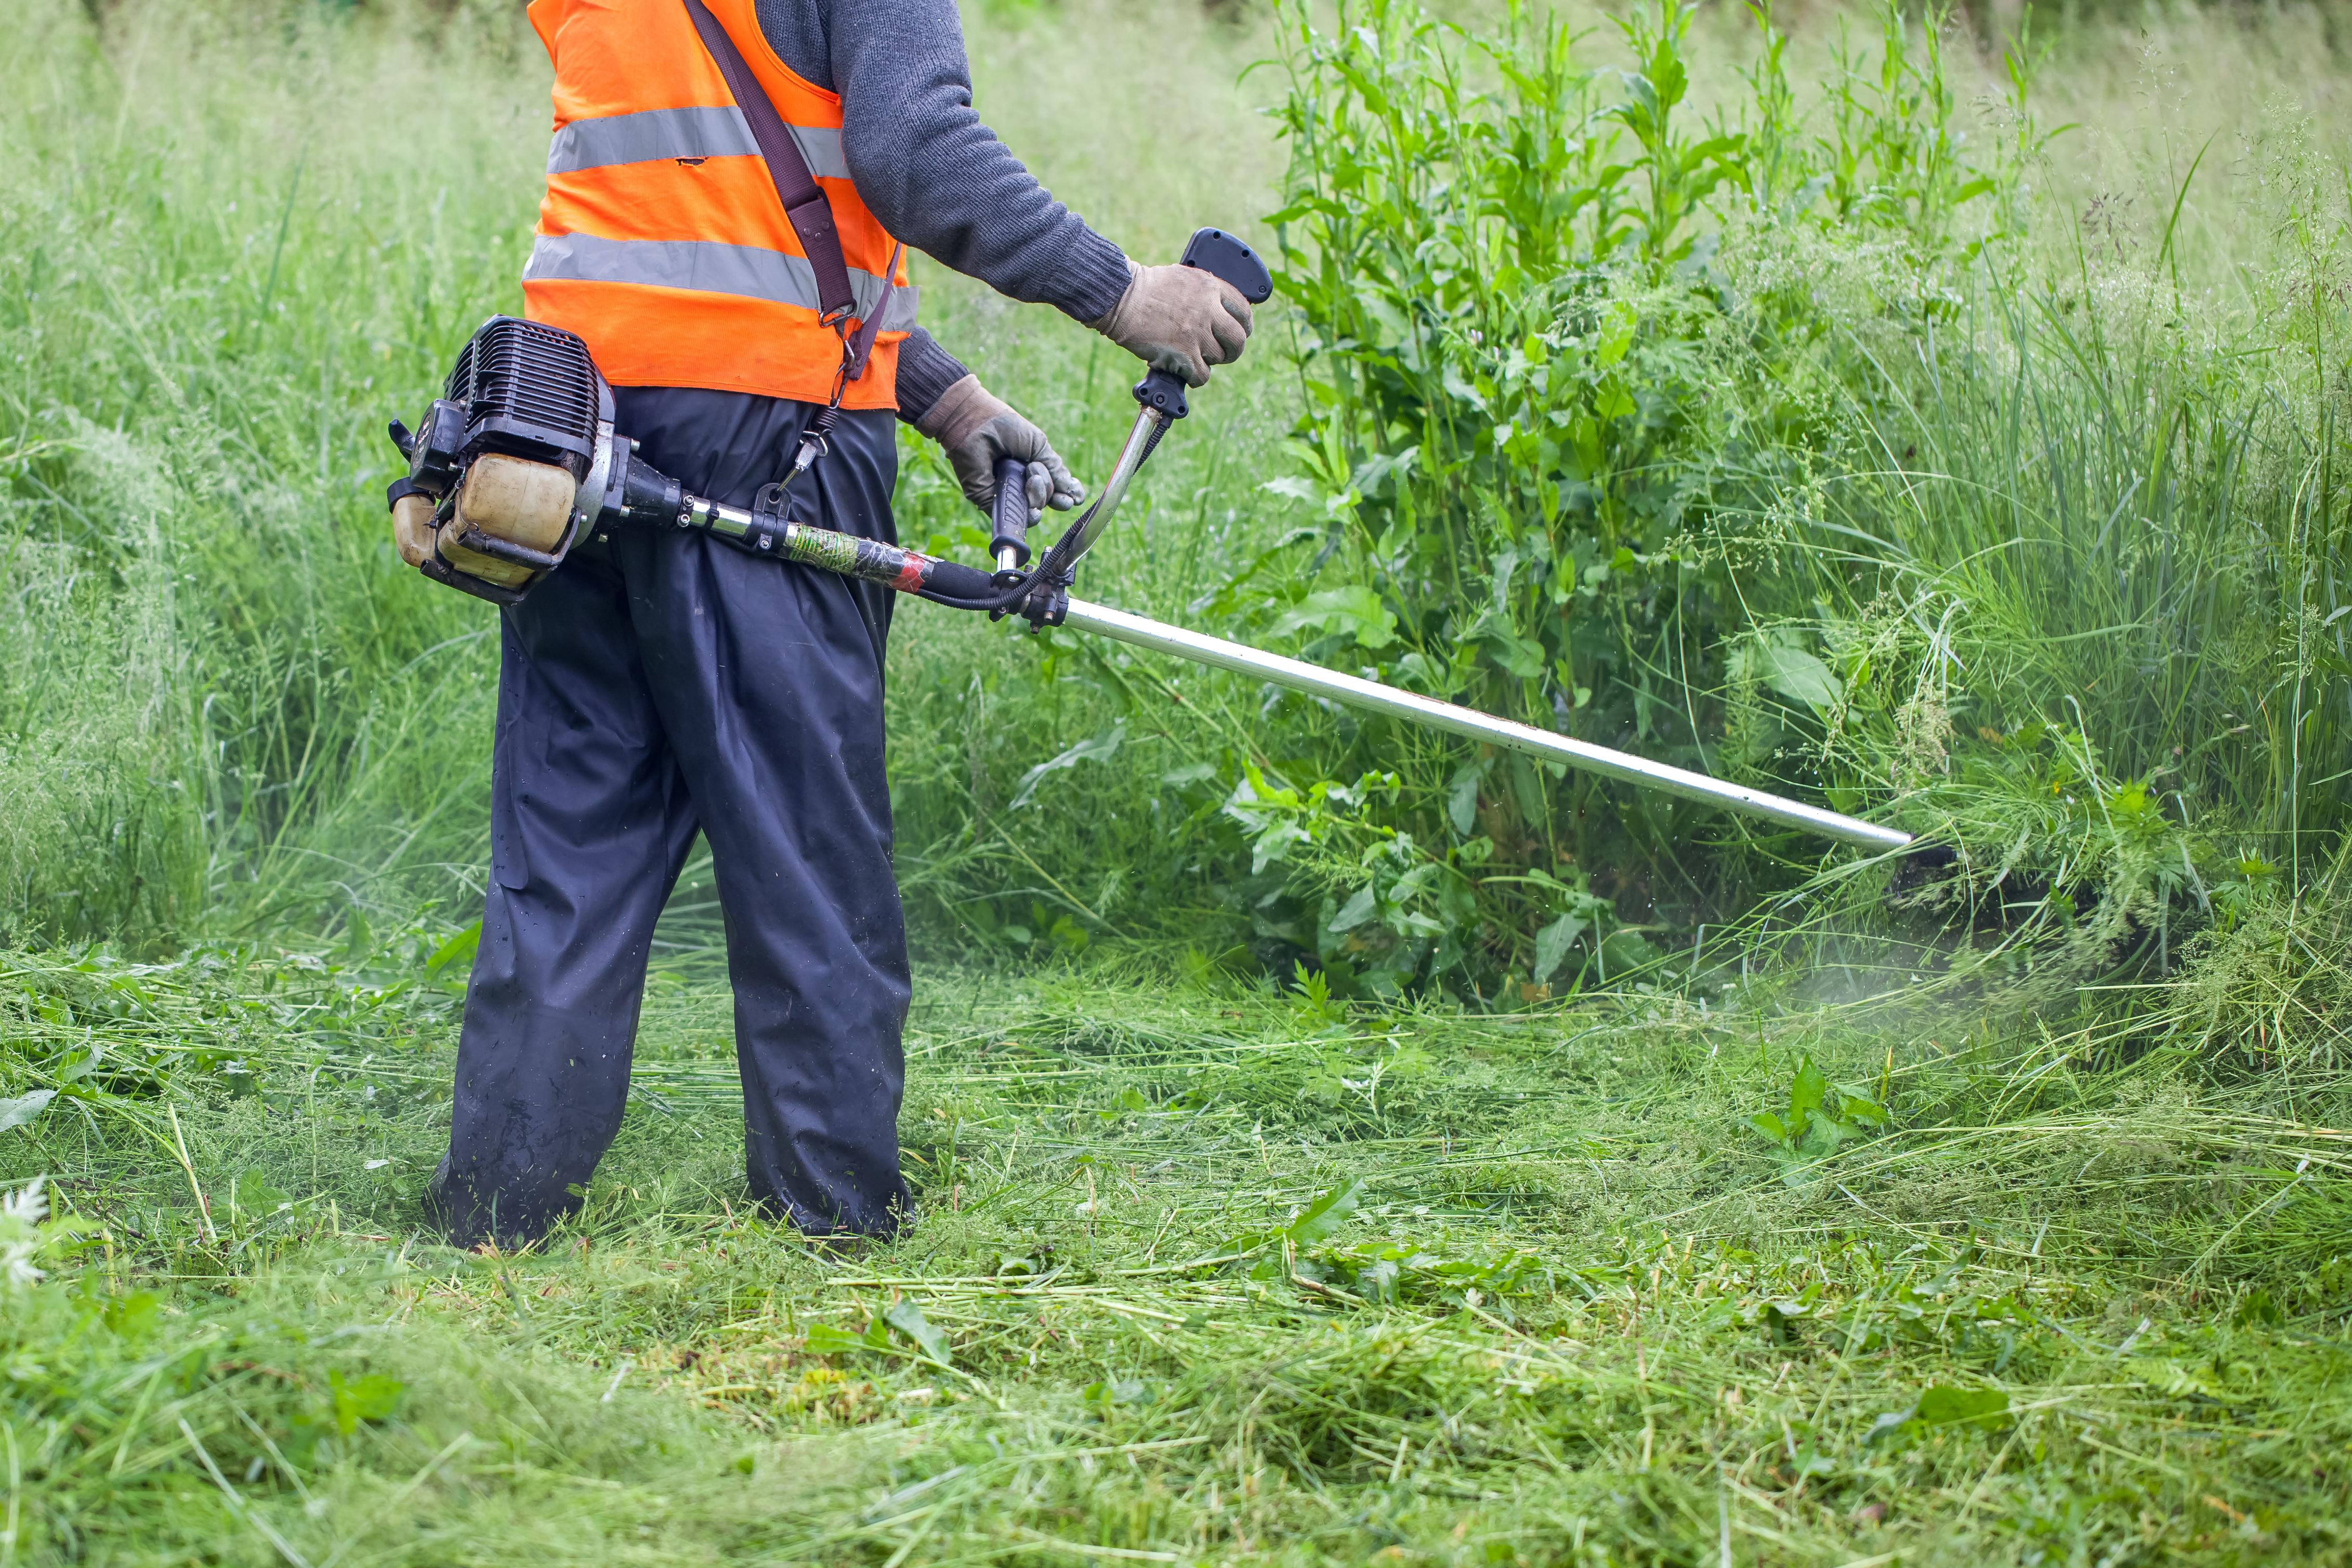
{"points": [[531, 391]]}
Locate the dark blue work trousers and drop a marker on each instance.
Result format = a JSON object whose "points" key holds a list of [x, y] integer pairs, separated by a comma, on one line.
{"points": [[658, 683]]}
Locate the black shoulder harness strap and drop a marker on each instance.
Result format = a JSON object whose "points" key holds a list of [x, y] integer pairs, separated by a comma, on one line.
{"points": [[805, 204]]}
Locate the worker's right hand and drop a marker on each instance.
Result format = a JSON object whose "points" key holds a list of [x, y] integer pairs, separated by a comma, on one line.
{"points": [[978, 428], [1181, 319]]}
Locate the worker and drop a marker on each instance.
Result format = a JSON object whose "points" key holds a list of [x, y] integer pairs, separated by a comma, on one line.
{"points": [[659, 681]]}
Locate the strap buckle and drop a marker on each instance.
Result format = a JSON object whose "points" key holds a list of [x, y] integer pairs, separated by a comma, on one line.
{"points": [[814, 443], [812, 446]]}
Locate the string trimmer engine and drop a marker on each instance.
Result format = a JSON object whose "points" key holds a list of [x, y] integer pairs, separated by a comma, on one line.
{"points": [[512, 461], [517, 459]]}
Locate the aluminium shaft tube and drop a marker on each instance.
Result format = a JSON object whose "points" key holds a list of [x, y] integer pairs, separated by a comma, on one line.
{"points": [[1357, 693], [850, 555]]}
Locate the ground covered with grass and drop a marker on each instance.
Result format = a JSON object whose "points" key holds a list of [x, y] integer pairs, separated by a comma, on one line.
{"points": [[1332, 1143], [1203, 1273]]}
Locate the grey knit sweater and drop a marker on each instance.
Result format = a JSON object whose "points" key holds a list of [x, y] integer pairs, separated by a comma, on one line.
{"points": [[935, 176]]}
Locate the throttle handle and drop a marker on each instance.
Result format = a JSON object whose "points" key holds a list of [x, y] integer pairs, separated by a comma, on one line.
{"points": [[1230, 260], [1226, 256], [1009, 547]]}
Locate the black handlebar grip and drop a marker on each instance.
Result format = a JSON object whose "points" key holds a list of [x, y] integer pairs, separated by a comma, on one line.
{"points": [[1217, 252], [1011, 510], [957, 580]]}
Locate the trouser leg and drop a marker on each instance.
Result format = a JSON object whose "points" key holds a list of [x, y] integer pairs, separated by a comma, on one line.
{"points": [[590, 825], [768, 679]]}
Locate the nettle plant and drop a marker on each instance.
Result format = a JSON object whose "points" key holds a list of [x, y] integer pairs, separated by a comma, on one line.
{"points": [[1533, 394]]}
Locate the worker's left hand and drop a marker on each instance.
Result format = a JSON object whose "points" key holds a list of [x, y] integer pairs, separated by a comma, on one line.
{"points": [[977, 427]]}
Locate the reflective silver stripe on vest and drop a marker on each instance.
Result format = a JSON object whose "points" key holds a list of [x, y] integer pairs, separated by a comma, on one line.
{"points": [[706, 267], [655, 133]]}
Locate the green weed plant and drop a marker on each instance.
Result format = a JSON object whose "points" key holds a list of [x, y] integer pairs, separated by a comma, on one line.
{"points": [[1738, 446]]}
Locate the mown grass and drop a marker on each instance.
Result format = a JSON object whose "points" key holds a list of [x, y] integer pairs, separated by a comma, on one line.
{"points": [[1207, 1274]]}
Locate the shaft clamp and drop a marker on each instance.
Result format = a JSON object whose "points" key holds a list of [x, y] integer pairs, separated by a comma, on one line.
{"points": [[766, 534], [1048, 602]]}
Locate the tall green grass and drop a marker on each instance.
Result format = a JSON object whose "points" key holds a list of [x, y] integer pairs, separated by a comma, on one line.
{"points": [[227, 710], [2070, 466], [230, 709]]}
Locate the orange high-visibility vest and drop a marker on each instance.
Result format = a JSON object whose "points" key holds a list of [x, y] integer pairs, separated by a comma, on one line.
{"points": [[661, 240]]}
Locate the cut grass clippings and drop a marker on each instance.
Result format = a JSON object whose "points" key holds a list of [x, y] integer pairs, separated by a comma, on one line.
{"points": [[1196, 1276]]}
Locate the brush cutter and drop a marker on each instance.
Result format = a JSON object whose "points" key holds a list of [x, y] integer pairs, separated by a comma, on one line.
{"points": [[519, 459]]}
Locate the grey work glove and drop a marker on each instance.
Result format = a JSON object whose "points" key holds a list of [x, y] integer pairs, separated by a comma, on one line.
{"points": [[1180, 320], [977, 427]]}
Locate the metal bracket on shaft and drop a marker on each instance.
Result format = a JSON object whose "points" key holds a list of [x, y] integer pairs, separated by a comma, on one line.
{"points": [[1163, 393], [1048, 604], [766, 534]]}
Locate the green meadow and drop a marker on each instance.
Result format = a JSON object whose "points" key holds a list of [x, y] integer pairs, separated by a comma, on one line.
{"points": [[1333, 1143]]}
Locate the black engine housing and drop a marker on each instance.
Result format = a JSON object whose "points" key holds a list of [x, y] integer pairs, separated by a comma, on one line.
{"points": [[519, 387]]}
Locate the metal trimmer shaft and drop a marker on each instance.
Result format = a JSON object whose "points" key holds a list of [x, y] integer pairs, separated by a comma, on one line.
{"points": [[1377, 698], [909, 571]]}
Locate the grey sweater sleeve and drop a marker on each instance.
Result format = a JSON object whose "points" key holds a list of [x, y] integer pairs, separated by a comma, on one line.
{"points": [[926, 370], [926, 166]]}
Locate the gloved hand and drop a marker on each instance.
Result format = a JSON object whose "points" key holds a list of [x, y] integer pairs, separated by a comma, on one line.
{"points": [[1181, 319], [977, 427]]}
